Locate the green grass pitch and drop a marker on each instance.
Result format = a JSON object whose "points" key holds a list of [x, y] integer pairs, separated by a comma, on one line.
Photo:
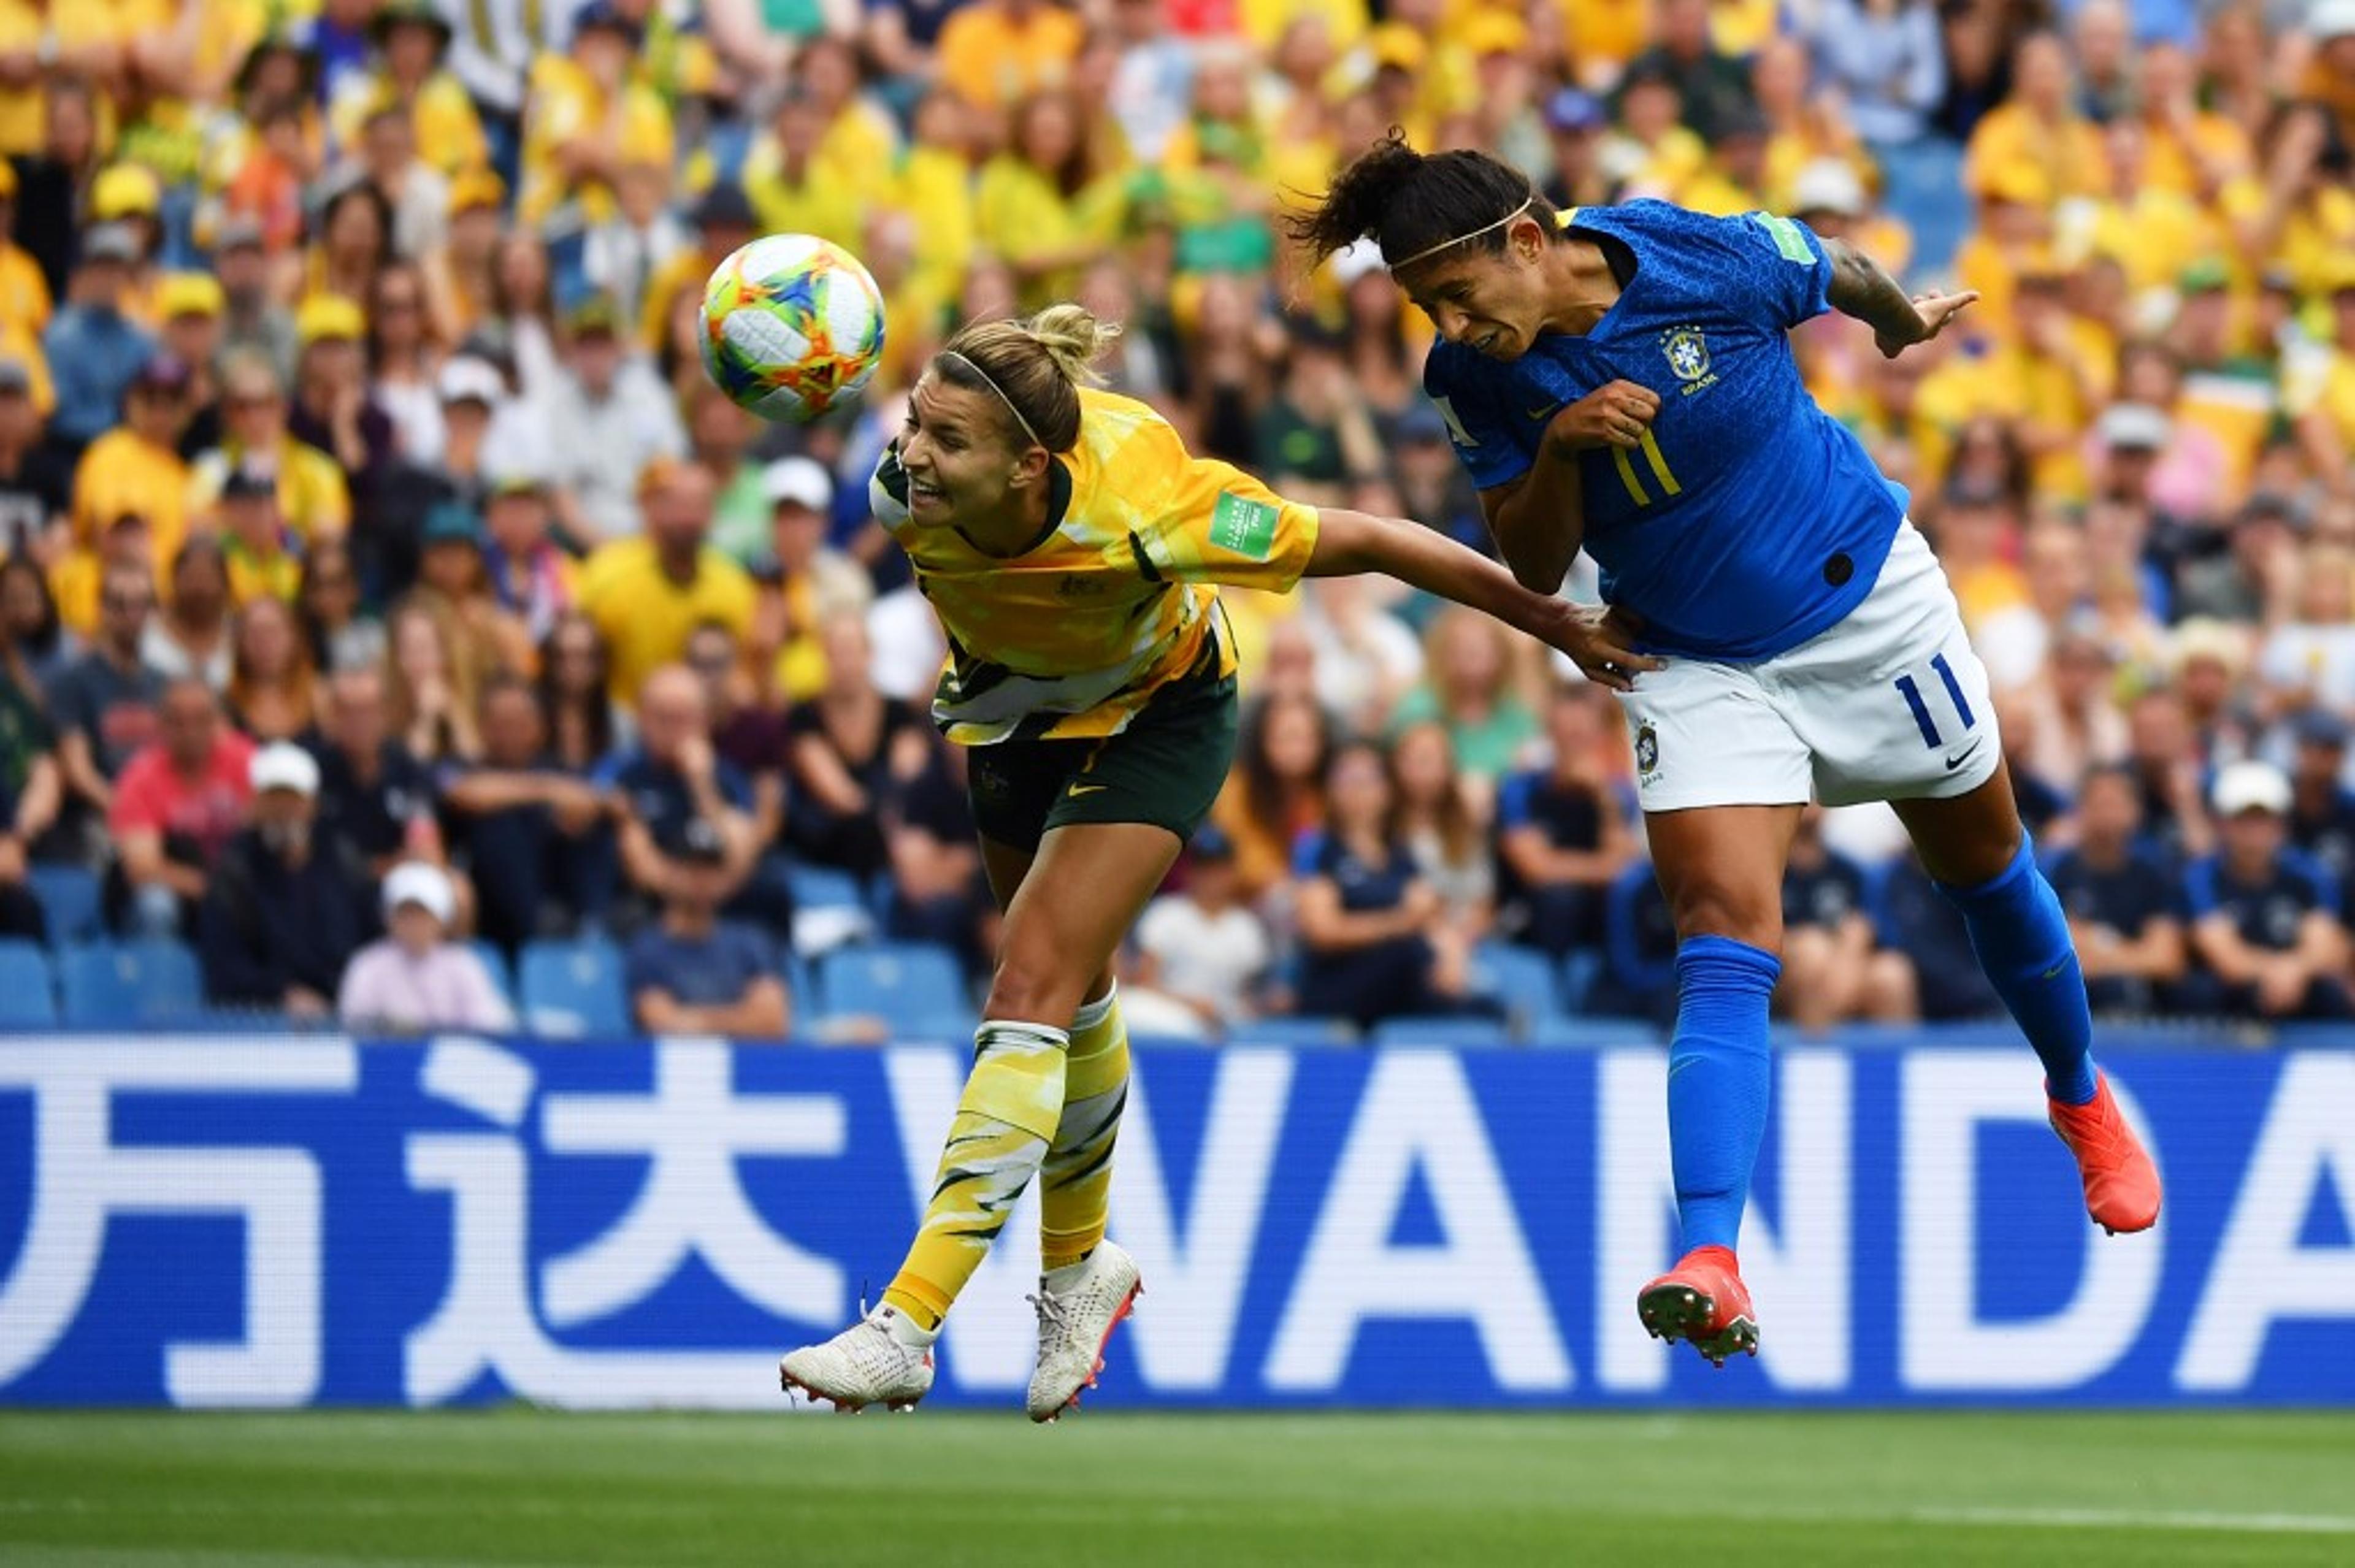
{"points": [[937, 1490]]}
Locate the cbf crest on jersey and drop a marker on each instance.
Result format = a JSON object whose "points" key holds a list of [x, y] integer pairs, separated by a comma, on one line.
{"points": [[1688, 353], [1648, 749]]}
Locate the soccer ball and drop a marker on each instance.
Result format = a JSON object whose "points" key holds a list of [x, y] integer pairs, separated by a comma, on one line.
{"points": [[793, 325]]}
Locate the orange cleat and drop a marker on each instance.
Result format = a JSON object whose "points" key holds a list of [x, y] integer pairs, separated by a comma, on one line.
{"points": [[2121, 1183], [1703, 1302]]}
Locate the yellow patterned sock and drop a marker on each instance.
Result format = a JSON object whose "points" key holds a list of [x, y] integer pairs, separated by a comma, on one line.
{"points": [[1075, 1185], [1004, 1123]]}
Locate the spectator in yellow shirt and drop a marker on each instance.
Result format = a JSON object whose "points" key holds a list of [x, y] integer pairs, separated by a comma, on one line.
{"points": [[461, 278], [312, 495], [45, 44], [2329, 78], [25, 302], [585, 107], [2322, 400], [2189, 150], [1045, 204], [1265, 22], [1652, 151], [254, 541], [2063, 368], [2297, 210], [136, 467], [860, 139], [794, 189], [130, 196], [2154, 229], [647, 594], [2038, 127], [993, 53], [724, 222], [935, 187], [411, 40], [1733, 180], [355, 240]]}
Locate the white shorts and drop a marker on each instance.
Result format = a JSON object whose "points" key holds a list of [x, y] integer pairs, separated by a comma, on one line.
{"points": [[1890, 704]]}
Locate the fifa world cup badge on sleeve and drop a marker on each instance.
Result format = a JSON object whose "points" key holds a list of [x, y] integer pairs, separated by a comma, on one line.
{"points": [[1241, 525]]}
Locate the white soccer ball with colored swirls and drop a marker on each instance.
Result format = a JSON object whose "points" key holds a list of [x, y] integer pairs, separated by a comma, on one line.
{"points": [[793, 326]]}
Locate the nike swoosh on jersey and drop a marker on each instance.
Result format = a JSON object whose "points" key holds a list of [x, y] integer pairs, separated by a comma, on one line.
{"points": [[1959, 759], [1545, 412], [1078, 790]]}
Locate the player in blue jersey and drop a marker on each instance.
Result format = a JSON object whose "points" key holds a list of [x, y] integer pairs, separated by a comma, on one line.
{"points": [[1621, 380]]}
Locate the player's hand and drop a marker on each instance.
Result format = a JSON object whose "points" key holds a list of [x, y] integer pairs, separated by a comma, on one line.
{"points": [[1616, 414], [1935, 311], [1600, 640]]}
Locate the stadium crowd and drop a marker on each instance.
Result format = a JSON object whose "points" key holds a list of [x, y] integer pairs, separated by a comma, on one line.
{"points": [[382, 568]]}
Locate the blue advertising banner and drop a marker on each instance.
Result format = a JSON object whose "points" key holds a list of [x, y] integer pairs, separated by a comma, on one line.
{"points": [[289, 1222]]}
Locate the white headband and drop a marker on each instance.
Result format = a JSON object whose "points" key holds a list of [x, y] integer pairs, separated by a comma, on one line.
{"points": [[993, 385], [1444, 244]]}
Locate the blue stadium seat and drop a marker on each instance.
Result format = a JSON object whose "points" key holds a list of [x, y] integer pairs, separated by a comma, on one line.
{"points": [[28, 997], [141, 982], [502, 972], [573, 988], [1580, 971], [1641, 942], [1294, 1031], [823, 887], [908, 985], [1442, 1028], [1521, 978], [69, 896]]}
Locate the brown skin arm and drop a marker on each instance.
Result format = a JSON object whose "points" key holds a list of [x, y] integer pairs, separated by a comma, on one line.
{"points": [[1860, 288]]}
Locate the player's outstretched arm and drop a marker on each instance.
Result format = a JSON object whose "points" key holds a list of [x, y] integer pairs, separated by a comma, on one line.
{"points": [[1351, 543], [1860, 288]]}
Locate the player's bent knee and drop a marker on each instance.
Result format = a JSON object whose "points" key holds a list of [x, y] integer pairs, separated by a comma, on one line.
{"points": [[1718, 910], [1036, 989]]}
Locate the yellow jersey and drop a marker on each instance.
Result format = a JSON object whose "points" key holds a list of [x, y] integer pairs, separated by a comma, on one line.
{"points": [[1070, 638], [312, 494], [646, 618], [121, 472]]}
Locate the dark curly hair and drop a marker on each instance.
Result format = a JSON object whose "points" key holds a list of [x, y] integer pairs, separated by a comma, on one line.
{"points": [[1409, 201]]}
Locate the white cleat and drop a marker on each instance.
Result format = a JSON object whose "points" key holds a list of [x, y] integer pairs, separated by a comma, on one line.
{"points": [[883, 1358], [1074, 1323]]}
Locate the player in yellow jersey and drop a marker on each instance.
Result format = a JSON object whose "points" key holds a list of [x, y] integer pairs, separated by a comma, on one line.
{"points": [[1073, 549]]}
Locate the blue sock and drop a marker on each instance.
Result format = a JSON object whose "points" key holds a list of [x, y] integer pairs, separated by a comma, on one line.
{"points": [[2022, 939], [1719, 1076]]}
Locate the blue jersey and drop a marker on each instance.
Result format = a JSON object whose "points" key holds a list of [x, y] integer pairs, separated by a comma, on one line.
{"points": [[1749, 520]]}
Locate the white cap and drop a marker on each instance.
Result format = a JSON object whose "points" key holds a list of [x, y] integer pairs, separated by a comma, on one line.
{"points": [[1358, 259], [2328, 19], [800, 479], [2134, 425], [467, 376], [1827, 185], [2250, 786], [423, 884], [282, 764]]}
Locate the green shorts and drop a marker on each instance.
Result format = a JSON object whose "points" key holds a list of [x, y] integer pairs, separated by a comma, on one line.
{"points": [[1166, 769]]}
